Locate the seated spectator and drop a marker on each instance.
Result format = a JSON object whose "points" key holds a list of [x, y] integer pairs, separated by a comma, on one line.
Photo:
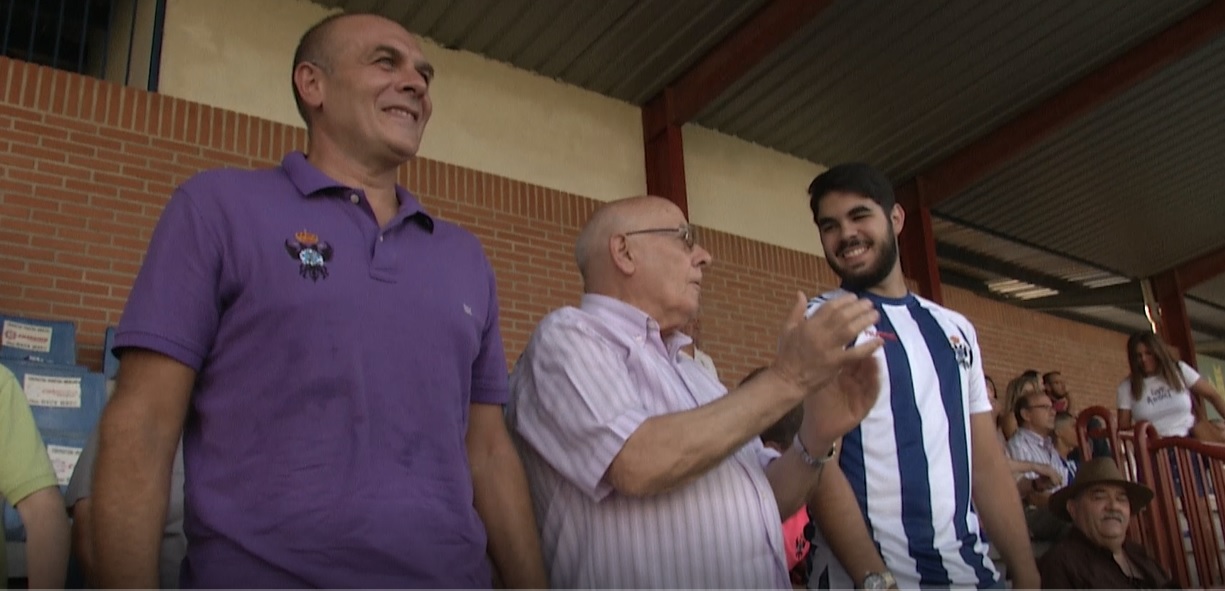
{"points": [[174, 541], [1032, 443], [1057, 389], [28, 482], [1096, 554], [1021, 386], [1067, 444], [795, 540], [1017, 467]]}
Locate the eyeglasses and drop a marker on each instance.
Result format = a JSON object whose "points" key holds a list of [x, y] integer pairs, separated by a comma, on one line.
{"points": [[685, 232]]}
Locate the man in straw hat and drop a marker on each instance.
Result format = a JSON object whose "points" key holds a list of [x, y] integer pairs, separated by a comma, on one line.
{"points": [[1096, 554]]}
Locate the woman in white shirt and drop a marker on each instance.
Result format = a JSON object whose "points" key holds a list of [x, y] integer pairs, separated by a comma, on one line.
{"points": [[1160, 389]]}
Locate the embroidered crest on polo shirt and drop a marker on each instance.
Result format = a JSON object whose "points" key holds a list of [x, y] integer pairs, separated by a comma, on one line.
{"points": [[311, 253], [961, 350]]}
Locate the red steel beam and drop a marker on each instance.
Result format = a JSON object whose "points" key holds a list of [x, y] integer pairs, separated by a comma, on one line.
{"points": [[917, 242], [665, 155], [722, 66], [1169, 291], [992, 151], [733, 57]]}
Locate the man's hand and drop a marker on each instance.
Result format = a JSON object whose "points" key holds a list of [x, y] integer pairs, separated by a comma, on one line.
{"points": [[843, 402], [813, 351], [1050, 477]]}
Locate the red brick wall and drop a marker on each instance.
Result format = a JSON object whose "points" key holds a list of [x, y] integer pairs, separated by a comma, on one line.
{"points": [[86, 166]]}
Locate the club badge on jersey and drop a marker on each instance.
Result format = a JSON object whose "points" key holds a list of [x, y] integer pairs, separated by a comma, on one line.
{"points": [[961, 350]]}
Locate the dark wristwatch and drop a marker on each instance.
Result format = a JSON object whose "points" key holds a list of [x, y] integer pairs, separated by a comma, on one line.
{"points": [[879, 581]]}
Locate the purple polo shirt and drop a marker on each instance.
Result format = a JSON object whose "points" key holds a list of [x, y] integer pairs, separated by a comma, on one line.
{"points": [[336, 363]]}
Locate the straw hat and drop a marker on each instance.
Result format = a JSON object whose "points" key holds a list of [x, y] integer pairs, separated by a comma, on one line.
{"points": [[1099, 471]]}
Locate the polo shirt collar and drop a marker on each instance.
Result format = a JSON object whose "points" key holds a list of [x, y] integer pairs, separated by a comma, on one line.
{"points": [[633, 322], [312, 182]]}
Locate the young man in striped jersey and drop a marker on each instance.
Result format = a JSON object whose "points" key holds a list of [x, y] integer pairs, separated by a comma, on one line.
{"points": [[925, 465]]}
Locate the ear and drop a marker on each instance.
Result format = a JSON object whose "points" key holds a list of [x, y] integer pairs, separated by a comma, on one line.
{"points": [[308, 79], [622, 256], [898, 216]]}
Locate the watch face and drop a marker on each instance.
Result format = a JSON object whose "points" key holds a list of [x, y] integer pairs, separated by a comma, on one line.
{"points": [[875, 581]]}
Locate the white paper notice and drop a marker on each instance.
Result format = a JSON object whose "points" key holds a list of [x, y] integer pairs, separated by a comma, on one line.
{"points": [[64, 460], [52, 391], [29, 337]]}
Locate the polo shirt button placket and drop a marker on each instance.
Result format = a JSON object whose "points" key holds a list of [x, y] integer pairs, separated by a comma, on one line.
{"points": [[354, 198]]}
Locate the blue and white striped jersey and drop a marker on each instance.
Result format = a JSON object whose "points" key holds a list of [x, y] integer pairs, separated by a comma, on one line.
{"points": [[909, 462]]}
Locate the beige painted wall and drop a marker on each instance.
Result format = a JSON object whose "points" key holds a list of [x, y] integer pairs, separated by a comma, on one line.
{"points": [[489, 116], [749, 190], [237, 54]]}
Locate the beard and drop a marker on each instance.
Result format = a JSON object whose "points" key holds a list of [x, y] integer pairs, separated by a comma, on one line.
{"points": [[875, 274]]}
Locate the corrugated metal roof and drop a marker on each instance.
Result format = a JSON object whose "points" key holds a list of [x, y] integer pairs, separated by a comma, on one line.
{"points": [[1017, 253], [903, 84], [626, 49], [1206, 315], [1211, 291], [1133, 187]]}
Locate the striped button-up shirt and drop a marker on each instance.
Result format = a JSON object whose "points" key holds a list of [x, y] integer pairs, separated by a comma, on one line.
{"points": [[1028, 446], [588, 378]]}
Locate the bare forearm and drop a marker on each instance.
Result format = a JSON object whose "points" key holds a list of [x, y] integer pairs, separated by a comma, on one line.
{"points": [[792, 479], [1021, 467], [503, 502], [999, 504], [671, 450], [82, 538], [1209, 394], [130, 492], [837, 513], [47, 538]]}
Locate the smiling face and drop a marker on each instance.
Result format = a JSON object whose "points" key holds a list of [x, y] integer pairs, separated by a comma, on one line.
{"points": [[370, 97], [859, 238], [1102, 512]]}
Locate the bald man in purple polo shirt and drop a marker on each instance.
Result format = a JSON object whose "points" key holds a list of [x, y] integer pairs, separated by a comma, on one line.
{"points": [[331, 354]]}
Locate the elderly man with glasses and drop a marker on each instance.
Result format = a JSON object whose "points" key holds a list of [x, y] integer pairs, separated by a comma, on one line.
{"points": [[1032, 442], [644, 470]]}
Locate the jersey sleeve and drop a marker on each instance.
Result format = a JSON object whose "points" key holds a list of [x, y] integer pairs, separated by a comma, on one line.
{"points": [[979, 401]]}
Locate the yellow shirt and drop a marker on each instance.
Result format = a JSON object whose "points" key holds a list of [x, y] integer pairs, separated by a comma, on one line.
{"points": [[24, 465]]}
